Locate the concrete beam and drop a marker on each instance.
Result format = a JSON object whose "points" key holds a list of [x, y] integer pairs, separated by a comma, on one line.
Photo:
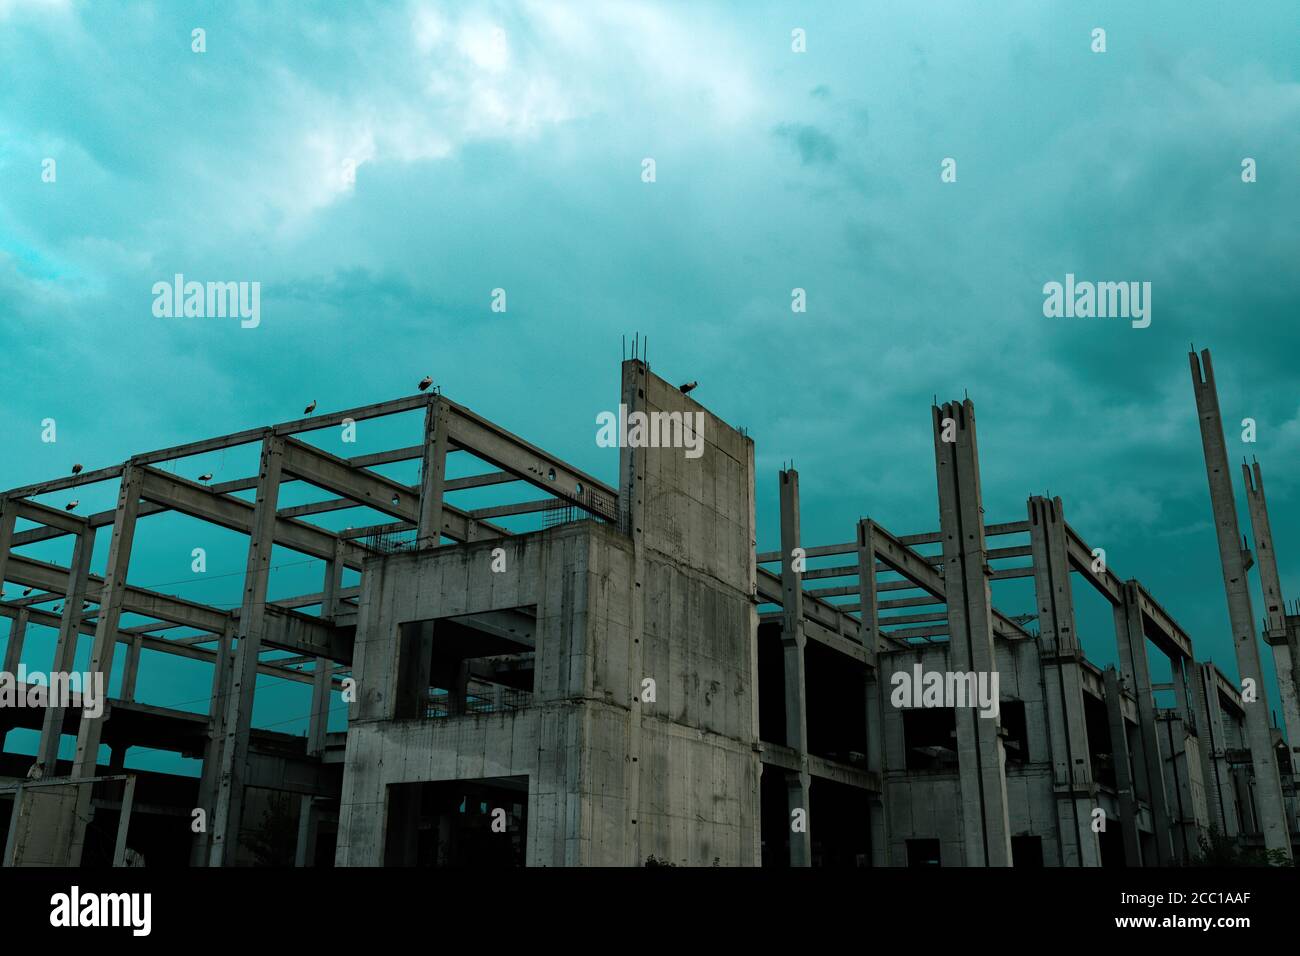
{"points": [[197, 501], [512, 454], [52, 577]]}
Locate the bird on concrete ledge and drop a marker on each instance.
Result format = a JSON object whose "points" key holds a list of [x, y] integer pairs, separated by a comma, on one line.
{"points": [[76, 469], [425, 383], [687, 388], [310, 408]]}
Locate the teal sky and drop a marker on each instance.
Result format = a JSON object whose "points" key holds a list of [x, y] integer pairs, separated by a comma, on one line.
{"points": [[501, 146]]}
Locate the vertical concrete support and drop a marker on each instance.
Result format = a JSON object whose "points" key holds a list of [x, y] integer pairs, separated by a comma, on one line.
{"points": [[980, 756], [794, 642], [322, 675], [1286, 653], [7, 518], [65, 650], [1232, 557], [633, 466], [433, 476], [111, 594], [1123, 769], [1209, 732], [1183, 764], [124, 821], [1130, 644], [17, 638], [869, 635], [309, 811], [252, 613], [1062, 658], [11, 838], [222, 675], [18, 624], [14, 652], [131, 667]]}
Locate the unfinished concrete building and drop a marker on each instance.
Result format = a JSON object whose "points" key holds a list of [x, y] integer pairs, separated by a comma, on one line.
{"points": [[627, 680]]}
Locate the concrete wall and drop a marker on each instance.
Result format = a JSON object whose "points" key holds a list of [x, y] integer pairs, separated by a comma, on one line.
{"points": [[613, 777]]}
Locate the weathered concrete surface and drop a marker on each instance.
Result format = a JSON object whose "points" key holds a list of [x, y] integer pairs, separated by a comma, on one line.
{"points": [[618, 769]]}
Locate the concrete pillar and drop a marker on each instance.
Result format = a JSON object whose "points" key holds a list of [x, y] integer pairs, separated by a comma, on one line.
{"points": [[1131, 647], [14, 652], [1286, 654], [124, 821], [239, 706], [7, 517], [322, 675], [222, 675], [632, 471], [981, 759], [869, 635], [794, 642], [1181, 764], [17, 624], [131, 667], [1209, 733], [111, 595], [1062, 657], [1233, 558], [318, 725], [308, 828], [1124, 782], [433, 475]]}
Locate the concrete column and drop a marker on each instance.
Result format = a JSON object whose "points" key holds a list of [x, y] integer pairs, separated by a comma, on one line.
{"points": [[308, 828], [1209, 733], [111, 595], [981, 760], [239, 706], [14, 652], [1233, 558], [65, 650], [1178, 731], [131, 667], [1131, 647], [17, 637], [793, 642], [876, 696], [433, 475], [1062, 657], [318, 725], [17, 624], [632, 470], [1124, 782], [1286, 654], [222, 675], [322, 676], [7, 517]]}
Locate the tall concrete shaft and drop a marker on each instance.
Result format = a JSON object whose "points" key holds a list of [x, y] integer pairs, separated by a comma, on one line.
{"points": [[1268, 785], [1286, 655], [981, 759], [794, 642]]}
